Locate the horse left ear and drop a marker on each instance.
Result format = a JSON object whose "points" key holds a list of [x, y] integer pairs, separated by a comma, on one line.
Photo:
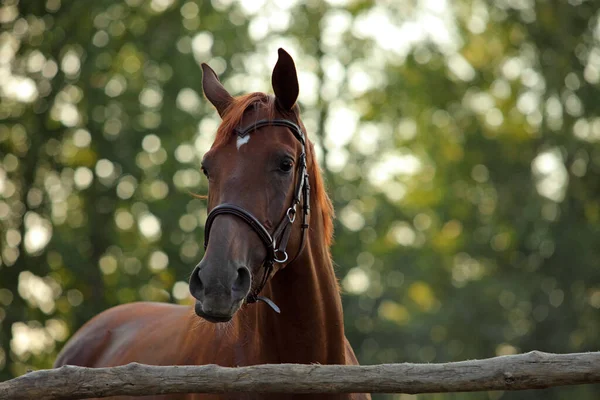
{"points": [[285, 81], [214, 90]]}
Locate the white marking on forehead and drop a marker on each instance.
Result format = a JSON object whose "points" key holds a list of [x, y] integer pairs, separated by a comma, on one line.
{"points": [[242, 141]]}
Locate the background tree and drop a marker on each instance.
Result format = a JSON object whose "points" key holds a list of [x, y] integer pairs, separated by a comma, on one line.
{"points": [[460, 142]]}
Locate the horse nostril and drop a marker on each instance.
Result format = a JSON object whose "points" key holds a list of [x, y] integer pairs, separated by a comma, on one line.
{"points": [[196, 285], [242, 282], [200, 284]]}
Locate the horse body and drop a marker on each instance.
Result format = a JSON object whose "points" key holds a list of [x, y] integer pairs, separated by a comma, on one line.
{"points": [[310, 327], [165, 334]]}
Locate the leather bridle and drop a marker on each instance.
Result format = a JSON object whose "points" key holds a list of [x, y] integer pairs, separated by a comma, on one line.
{"points": [[275, 243]]}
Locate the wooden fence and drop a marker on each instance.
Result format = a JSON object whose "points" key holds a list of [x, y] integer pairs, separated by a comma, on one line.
{"points": [[533, 370]]}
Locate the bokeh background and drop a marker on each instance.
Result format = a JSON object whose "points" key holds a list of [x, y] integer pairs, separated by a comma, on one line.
{"points": [[460, 142]]}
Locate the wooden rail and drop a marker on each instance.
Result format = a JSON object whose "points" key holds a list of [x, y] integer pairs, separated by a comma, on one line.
{"points": [[533, 370]]}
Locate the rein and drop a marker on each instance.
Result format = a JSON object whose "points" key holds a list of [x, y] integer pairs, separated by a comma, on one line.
{"points": [[275, 243]]}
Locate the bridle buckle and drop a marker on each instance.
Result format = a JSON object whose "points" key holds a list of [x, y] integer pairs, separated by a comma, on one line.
{"points": [[285, 256], [291, 214]]}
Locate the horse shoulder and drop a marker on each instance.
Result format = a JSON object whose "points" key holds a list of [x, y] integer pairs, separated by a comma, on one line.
{"points": [[96, 336]]}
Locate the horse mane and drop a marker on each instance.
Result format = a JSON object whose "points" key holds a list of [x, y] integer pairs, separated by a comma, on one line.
{"points": [[232, 118]]}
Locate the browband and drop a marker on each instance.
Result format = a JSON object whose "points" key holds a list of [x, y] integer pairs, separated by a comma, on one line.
{"points": [[272, 122]]}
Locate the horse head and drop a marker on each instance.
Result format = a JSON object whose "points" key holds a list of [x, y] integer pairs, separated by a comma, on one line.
{"points": [[258, 193]]}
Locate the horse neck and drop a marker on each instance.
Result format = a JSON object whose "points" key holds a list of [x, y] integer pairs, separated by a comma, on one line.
{"points": [[310, 328]]}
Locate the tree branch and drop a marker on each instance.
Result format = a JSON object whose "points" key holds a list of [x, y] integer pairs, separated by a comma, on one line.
{"points": [[534, 370]]}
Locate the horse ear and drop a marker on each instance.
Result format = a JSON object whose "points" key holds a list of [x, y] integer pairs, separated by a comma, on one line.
{"points": [[285, 81], [214, 90]]}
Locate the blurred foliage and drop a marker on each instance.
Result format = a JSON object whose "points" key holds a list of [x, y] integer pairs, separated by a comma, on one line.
{"points": [[459, 140]]}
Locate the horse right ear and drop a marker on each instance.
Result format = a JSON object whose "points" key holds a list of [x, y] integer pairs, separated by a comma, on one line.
{"points": [[214, 90], [285, 81]]}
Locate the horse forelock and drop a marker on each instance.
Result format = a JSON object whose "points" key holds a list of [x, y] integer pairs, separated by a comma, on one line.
{"points": [[235, 112], [232, 119]]}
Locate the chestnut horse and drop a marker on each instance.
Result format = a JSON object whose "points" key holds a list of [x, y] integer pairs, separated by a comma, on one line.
{"points": [[263, 180]]}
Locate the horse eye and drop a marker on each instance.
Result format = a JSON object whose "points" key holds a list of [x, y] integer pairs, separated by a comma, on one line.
{"points": [[286, 165]]}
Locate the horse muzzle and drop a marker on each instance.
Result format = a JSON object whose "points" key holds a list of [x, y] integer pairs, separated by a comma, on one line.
{"points": [[219, 292]]}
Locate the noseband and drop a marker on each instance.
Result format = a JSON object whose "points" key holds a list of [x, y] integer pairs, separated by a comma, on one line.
{"points": [[275, 243]]}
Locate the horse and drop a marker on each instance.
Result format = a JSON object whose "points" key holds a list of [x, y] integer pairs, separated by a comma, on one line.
{"points": [[267, 240]]}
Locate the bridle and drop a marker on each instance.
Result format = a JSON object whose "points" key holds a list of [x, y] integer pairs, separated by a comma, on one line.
{"points": [[275, 243]]}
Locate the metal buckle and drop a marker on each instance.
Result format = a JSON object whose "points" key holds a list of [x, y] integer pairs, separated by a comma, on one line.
{"points": [[291, 214], [284, 254]]}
